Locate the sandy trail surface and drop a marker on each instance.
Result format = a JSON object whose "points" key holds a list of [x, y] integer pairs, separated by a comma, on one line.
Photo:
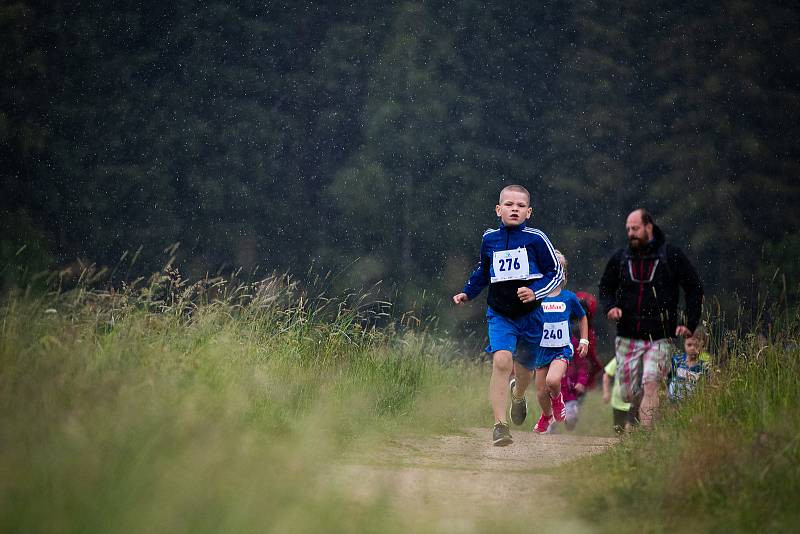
{"points": [[463, 483]]}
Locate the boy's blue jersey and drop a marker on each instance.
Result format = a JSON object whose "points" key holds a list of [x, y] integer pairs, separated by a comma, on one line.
{"points": [[683, 377], [552, 319], [512, 257]]}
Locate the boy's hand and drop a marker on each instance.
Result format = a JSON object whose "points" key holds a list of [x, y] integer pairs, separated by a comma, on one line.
{"points": [[525, 294], [583, 349], [682, 331], [606, 397], [461, 297]]}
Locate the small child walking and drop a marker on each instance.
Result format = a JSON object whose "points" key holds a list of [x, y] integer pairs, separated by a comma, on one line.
{"points": [[623, 419], [551, 354], [687, 368]]}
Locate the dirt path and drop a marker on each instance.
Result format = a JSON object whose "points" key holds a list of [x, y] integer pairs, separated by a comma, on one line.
{"points": [[461, 482]]}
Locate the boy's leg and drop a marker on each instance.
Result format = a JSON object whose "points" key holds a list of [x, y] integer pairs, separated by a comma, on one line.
{"points": [[502, 363], [546, 421], [620, 420], [522, 377], [542, 393], [518, 411], [555, 374]]}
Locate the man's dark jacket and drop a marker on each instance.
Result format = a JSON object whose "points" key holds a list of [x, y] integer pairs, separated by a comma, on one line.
{"points": [[645, 284]]}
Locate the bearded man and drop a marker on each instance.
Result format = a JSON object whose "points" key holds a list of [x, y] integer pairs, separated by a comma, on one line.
{"points": [[640, 291]]}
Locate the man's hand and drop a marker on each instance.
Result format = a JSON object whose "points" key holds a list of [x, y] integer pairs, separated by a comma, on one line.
{"points": [[461, 297], [580, 388], [606, 397], [582, 350], [682, 331], [614, 314], [525, 294]]}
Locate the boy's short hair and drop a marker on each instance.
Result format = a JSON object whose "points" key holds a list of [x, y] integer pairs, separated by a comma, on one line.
{"points": [[518, 189], [700, 335], [563, 261]]}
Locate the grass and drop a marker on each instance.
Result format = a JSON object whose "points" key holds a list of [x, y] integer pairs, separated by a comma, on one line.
{"points": [[728, 459], [209, 407], [216, 406]]}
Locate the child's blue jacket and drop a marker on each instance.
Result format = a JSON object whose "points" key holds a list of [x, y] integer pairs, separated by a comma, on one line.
{"points": [[545, 272]]}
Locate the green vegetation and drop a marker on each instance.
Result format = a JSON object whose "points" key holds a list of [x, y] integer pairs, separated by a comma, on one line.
{"points": [[726, 460], [379, 134], [208, 407]]}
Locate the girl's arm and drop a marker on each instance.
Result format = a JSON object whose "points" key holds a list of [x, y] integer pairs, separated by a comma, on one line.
{"points": [[606, 387]]}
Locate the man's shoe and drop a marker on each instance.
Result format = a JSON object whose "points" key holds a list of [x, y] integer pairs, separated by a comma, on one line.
{"points": [[519, 408], [501, 436], [544, 424], [559, 410]]}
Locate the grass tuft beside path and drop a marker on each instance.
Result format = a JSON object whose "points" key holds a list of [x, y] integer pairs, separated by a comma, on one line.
{"points": [[728, 459], [208, 408]]}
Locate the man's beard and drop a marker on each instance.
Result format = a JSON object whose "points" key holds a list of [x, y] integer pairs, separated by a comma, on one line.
{"points": [[635, 243]]}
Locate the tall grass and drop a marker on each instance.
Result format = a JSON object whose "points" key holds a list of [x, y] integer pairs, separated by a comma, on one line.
{"points": [[209, 406], [728, 459]]}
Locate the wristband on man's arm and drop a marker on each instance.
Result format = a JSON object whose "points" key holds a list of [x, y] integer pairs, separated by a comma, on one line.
{"points": [[584, 341]]}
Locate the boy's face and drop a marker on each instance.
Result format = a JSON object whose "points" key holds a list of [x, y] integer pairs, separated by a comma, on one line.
{"points": [[692, 346], [513, 208]]}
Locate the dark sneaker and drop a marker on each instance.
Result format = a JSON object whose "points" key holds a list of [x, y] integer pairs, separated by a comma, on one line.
{"points": [[501, 436], [559, 410], [519, 408], [544, 424]]}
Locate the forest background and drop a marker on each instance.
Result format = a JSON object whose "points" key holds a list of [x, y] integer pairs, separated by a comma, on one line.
{"points": [[368, 141]]}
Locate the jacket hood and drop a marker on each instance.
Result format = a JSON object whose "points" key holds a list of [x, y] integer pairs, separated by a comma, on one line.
{"points": [[589, 303]]}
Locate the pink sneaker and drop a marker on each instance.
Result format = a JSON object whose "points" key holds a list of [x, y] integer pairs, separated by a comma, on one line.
{"points": [[544, 424], [559, 410]]}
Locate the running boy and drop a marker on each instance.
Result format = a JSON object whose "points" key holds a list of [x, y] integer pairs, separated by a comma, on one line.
{"points": [[520, 267], [551, 355]]}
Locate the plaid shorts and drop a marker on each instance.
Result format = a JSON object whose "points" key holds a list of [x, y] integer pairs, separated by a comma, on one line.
{"points": [[640, 361]]}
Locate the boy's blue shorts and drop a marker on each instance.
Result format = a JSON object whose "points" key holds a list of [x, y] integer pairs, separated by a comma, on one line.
{"points": [[544, 356], [519, 336]]}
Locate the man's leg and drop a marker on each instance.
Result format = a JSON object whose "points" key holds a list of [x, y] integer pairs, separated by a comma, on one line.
{"points": [[628, 353], [502, 363], [649, 405], [654, 365]]}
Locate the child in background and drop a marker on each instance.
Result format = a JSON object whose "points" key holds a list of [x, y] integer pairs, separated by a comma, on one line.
{"points": [[594, 367], [581, 372], [687, 368], [551, 355], [573, 386], [519, 266], [623, 418]]}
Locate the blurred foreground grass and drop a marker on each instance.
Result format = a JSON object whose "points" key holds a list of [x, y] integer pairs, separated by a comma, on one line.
{"points": [[209, 407]]}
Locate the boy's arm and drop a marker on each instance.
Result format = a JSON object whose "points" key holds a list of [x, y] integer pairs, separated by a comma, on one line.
{"points": [[583, 344], [479, 278], [552, 273]]}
